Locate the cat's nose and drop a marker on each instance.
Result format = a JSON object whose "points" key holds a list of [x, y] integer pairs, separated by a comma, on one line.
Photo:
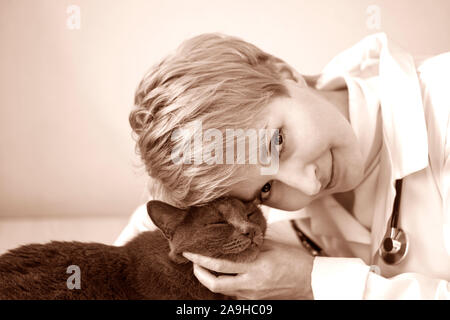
{"points": [[249, 232]]}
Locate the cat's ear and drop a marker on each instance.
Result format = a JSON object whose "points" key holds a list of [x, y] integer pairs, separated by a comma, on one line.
{"points": [[165, 216]]}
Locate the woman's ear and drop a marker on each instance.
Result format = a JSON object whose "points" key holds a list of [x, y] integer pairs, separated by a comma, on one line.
{"points": [[289, 73], [300, 80], [166, 217]]}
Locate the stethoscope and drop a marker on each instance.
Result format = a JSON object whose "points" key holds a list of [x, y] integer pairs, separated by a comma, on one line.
{"points": [[393, 248]]}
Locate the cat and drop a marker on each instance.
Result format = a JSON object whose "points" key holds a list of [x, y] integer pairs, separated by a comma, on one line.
{"points": [[150, 266]]}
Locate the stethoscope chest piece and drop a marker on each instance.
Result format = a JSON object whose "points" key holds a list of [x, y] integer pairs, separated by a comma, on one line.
{"points": [[394, 247]]}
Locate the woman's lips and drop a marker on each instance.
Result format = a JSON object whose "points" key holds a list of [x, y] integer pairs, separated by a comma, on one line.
{"points": [[332, 179]]}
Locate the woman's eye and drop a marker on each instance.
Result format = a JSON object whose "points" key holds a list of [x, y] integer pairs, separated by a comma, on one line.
{"points": [[278, 140], [265, 190], [266, 187]]}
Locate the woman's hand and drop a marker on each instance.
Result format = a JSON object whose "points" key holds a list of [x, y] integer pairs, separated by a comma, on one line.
{"points": [[280, 271]]}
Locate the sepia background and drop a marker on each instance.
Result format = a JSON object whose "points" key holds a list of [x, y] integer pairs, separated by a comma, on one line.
{"points": [[69, 69]]}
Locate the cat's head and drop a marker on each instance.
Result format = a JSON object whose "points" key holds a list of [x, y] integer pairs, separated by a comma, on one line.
{"points": [[226, 228]]}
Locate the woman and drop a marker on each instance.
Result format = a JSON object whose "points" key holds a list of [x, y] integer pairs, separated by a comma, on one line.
{"points": [[372, 117]]}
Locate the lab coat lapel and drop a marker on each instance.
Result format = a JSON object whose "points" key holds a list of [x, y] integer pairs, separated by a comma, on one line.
{"points": [[402, 110], [405, 147]]}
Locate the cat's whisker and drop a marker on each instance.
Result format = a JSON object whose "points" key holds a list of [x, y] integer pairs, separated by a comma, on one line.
{"points": [[232, 243], [237, 245]]}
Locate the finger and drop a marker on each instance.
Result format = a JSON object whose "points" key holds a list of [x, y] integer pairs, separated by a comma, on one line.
{"points": [[218, 265], [228, 285]]}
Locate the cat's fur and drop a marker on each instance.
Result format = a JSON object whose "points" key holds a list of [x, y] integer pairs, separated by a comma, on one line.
{"points": [[150, 266]]}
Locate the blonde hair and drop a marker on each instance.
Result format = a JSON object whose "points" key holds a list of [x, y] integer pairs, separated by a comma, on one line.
{"points": [[219, 80]]}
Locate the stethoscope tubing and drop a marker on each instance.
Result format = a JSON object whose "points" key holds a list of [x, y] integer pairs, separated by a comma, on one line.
{"points": [[396, 208]]}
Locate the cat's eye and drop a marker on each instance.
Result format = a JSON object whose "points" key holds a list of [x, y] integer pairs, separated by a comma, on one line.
{"points": [[252, 213], [218, 223]]}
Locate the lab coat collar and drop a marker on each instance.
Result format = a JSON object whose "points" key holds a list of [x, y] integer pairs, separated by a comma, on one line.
{"points": [[404, 126], [405, 147]]}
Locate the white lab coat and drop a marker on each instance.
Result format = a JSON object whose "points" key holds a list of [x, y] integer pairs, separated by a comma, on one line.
{"points": [[414, 105], [412, 100]]}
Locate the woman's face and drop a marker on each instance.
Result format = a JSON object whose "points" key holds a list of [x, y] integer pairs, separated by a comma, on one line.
{"points": [[319, 153]]}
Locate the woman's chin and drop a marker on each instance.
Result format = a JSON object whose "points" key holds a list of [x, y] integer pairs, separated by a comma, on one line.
{"points": [[353, 173], [353, 179]]}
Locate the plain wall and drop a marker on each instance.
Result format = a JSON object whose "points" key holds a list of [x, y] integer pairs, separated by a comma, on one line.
{"points": [[65, 95]]}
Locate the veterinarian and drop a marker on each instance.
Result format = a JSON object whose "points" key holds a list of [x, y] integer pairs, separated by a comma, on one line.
{"points": [[364, 157]]}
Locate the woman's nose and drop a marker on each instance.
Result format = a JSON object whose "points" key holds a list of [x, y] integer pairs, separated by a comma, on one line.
{"points": [[301, 177]]}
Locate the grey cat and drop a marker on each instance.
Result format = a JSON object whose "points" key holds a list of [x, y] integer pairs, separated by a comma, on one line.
{"points": [[150, 266]]}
